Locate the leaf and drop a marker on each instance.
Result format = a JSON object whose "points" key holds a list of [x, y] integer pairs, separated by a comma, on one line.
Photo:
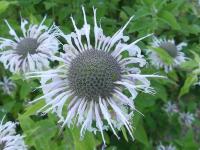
{"points": [[31, 110], [188, 142], [87, 143], [169, 18], [124, 133], [25, 90], [164, 56], [3, 6], [140, 133], [38, 134], [190, 80]]}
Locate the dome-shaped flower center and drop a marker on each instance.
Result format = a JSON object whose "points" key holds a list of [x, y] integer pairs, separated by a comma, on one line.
{"points": [[170, 48], [27, 45], [92, 74]]}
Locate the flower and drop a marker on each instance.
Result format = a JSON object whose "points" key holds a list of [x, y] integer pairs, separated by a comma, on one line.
{"points": [[30, 52], [162, 147], [7, 85], [170, 108], [187, 118], [9, 140], [92, 79], [172, 50]]}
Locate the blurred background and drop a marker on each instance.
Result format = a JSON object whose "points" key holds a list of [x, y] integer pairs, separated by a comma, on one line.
{"points": [[177, 19]]}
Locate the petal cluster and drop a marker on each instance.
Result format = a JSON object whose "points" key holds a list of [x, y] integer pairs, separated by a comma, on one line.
{"points": [[9, 139], [101, 113], [15, 53]]}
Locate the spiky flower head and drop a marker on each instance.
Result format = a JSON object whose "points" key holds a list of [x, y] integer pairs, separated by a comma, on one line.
{"points": [[187, 118], [9, 139], [162, 147], [170, 108], [170, 47], [92, 79], [7, 85], [30, 52]]}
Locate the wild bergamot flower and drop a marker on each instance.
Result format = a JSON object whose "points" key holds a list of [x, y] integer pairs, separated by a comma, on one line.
{"points": [[92, 80], [162, 147], [170, 108], [7, 85], [173, 50], [187, 118], [31, 51], [9, 140]]}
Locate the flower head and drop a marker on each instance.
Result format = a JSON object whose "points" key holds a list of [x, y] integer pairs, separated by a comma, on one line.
{"points": [[92, 79], [30, 52], [170, 108], [187, 118], [9, 140], [162, 147], [7, 85], [171, 49]]}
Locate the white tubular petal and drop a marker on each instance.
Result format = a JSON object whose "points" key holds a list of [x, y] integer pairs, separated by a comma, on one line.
{"points": [[81, 110], [96, 28], [52, 93], [181, 45], [86, 29], [78, 35], [88, 122], [12, 32], [124, 98], [105, 112], [132, 45], [23, 24], [133, 60], [117, 36], [71, 113], [57, 99], [99, 122], [31, 63], [130, 87], [121, 116]]}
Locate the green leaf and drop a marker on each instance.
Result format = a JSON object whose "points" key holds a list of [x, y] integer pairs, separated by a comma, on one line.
{"points": [[164, 56], [170, 19], [140, 133], [3, 6], [25, 90], [32, 109], [38, 134], [87, 143], [190, 80], [124, 133]]}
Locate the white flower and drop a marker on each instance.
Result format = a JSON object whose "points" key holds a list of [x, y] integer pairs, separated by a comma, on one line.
{"points": [[7, 85], [187, 118], [170, 108], [30, 52], [172, 49], [162, 147], [9, 140], [92, 79]]}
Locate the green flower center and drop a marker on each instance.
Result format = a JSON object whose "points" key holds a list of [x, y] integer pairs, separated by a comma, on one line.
{"points": [[170, 48], [27, 45], [92, 74]]}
